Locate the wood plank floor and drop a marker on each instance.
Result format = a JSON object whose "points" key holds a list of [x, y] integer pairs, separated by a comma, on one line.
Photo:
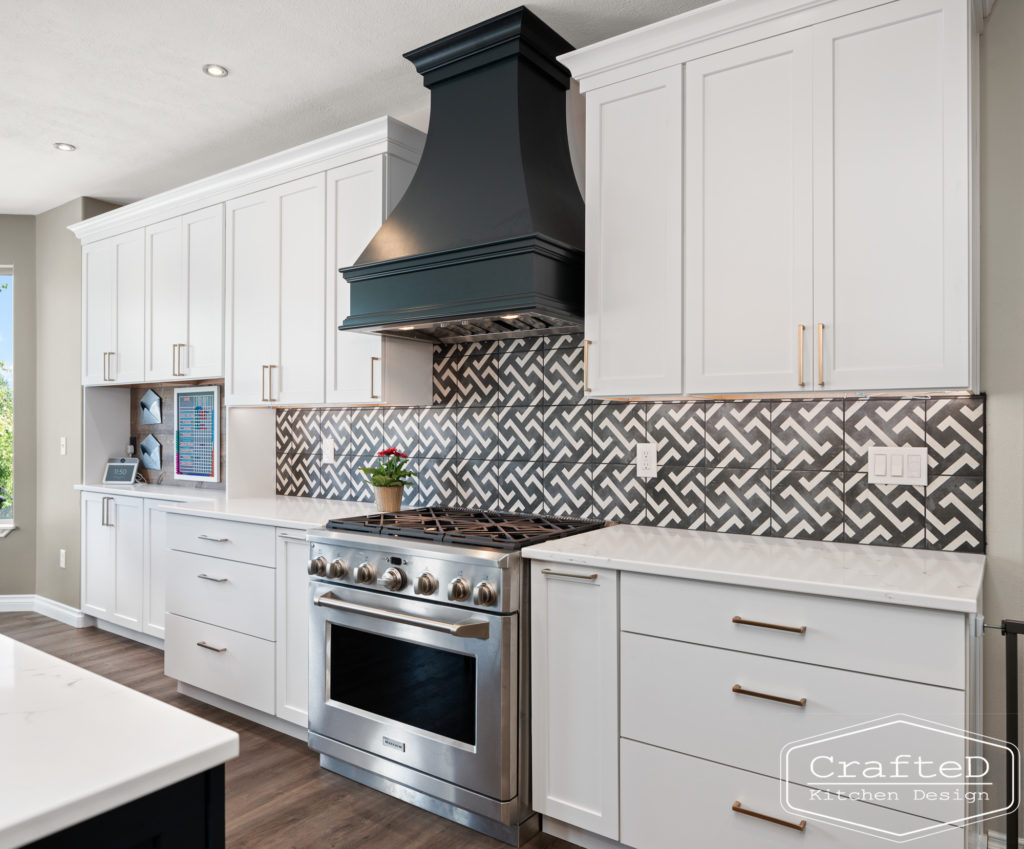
{"points": [[278, 797]]}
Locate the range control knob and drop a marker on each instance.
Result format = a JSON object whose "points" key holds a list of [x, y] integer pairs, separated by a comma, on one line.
{"points": [[393, 579], [318, 566], [426, 584], [337, 569], [459, 590], [485, 594], [364, 573]]}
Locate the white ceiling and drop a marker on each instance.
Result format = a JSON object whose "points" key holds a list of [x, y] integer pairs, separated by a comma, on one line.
{"points": [[122, 81]]}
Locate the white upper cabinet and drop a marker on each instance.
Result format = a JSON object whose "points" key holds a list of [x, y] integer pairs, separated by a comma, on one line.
{"points": [[365, 367], [825, 163], [747, 238], [113, 309], [633, 313]]}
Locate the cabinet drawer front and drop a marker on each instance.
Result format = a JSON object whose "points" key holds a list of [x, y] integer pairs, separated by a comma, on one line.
{"points": [[242, 541], [672, 801], [882, 639], [242, 672], [232, 595], [749, 731]]}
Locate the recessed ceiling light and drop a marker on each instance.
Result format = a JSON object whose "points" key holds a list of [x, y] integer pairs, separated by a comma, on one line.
{"points": [[408, 327], [215, 70], [64, 146], [510, 317]]}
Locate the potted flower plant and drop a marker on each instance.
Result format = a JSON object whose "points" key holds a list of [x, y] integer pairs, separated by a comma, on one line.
{"points": [[388, 479]]}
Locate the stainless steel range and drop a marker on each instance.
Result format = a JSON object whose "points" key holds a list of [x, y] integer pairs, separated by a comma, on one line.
{"points": [[419, 666]]}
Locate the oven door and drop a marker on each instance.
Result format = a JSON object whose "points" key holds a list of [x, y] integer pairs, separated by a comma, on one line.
{"points": [[434, 688]]}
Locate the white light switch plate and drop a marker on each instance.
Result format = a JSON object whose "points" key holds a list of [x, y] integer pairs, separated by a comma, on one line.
{"points": [[647, 459], [898, 465], [327, 450]]}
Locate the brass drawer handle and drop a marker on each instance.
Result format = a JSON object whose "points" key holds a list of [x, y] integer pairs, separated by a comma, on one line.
{"points": [[590, 577], [206, 577], [213, 539], [738, 688], [821, 354], [205, 645], [792, 629], [373, 393], [800, 328], [586, 366], [270, 384], [739, 809]]}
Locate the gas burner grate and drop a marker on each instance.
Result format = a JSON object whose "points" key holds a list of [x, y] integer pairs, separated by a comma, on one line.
{"points": [[484, 528]]}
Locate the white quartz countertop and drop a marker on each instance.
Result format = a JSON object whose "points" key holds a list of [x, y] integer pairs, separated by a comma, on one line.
{"points": [[284, 511], [932, 579], [74, 744]]}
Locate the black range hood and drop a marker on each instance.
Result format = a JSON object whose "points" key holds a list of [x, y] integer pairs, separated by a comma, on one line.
{"points": [[488, 239]]}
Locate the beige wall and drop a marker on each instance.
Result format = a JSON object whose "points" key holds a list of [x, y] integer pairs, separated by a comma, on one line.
{"points": [[1002, 332], [17, 550], [59, 402]]}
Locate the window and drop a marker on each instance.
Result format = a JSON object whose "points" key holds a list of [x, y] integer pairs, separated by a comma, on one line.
{"points": [[6, 396]]}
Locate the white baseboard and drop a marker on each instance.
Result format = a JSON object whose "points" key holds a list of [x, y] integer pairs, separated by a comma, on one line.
{"points": [[997, 840], [30, 603], [574, 834], [299, 732], [130, 634]]}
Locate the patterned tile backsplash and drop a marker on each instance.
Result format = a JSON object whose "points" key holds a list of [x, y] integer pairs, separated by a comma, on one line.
{"points": [[509, 430]]}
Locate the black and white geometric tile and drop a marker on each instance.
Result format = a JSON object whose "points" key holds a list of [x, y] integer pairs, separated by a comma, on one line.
{"points": [[675, 498], [568, 436], [521, 487], [401, 429], [738, 501], [521, 434], [337, 479], [438, 432], [299, 474], [478, 433], [362, 489], [955, 429], [618, 428], [446, 379], [521, 344], [336, 425], [478, 484], [568, 489], [807, 505], [678, 430], [563, 376], [883, 514], [807, 435], [298, 431], [619, 495], [564, 340], [881, 422], [367, 431], [738, 434], [955, 510], [438, 483], [521, 379], [478, 380]]}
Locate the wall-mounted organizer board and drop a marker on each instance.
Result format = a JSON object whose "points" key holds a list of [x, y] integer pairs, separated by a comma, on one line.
{"points": [[197, 433]]}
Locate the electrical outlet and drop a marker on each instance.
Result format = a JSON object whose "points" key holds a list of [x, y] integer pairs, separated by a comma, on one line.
{"points": [[63, 558], [327, 450], [63, 446], [898, 465], [647, 459]]}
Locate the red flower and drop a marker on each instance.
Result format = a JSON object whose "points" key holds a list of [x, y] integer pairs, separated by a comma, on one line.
{"points": [[391, 452]]}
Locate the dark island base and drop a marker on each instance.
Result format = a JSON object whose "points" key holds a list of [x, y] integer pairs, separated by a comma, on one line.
{"points": [[186, 815]]}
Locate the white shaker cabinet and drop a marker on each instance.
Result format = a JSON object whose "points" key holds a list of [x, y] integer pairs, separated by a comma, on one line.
{"points": [[366, 367], [185, 296], [112, 573], [274, 294], [633, 309], [113, 309], [575, 665], [292, 626]]}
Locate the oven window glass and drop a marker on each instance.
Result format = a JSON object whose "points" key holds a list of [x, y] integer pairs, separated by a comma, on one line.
{"points": [[423, 687]]}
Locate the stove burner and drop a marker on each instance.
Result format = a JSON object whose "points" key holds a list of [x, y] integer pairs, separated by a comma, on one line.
{"points": [[484, 528]]}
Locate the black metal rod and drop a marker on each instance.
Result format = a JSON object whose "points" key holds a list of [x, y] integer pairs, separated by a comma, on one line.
{"points": [[1011, 629]]}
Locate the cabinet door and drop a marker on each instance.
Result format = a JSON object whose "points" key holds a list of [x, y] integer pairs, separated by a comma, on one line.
{"points": [[128, 364], [126, 513], [747, 250], [97, 555], [292, 626], [575, 696], [203, 353], [166, 299], [892, 197], [299, 378], [155, 564], [252, 291], [633, 313], [97, 310]]}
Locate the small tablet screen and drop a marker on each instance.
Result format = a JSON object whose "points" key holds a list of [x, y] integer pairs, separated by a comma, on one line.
{"points": [[120, 473]]}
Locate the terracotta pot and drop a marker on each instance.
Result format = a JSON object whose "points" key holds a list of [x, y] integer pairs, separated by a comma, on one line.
{"points": [[388, 498]]}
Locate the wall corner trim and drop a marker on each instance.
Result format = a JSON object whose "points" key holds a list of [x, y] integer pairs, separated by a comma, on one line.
{"points": [[47, 607]]}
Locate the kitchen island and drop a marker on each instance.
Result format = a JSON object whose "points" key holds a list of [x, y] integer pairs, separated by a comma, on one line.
{"points": [[85, 758]]}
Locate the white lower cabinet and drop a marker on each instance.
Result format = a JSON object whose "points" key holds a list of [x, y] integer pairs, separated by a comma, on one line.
{"points": [[575, 696], [154, 604], [292, 627]]}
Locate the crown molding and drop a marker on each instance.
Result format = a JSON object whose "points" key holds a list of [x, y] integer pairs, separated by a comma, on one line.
{"points": [[381, 135]]}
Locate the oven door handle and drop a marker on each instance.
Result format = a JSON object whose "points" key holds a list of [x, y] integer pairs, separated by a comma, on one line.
{"points": [[473, 629]]}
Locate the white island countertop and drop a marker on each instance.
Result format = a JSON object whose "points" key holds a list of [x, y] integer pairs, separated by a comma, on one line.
{"points": [[74, 744], [933, 579], [285, 511]]}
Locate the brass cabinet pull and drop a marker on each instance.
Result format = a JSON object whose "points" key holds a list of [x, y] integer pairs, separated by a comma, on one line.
{"points": [[213, 539], [205, 645], [108, 365], [174, 360], [206, 577], [263, 383], [792, 629], [738, 688], [800, 328], [105, 366], [586, 366], [821, 354], [739, 809], [556, 574], [270, 383], [105, 515], [372, 361]]}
